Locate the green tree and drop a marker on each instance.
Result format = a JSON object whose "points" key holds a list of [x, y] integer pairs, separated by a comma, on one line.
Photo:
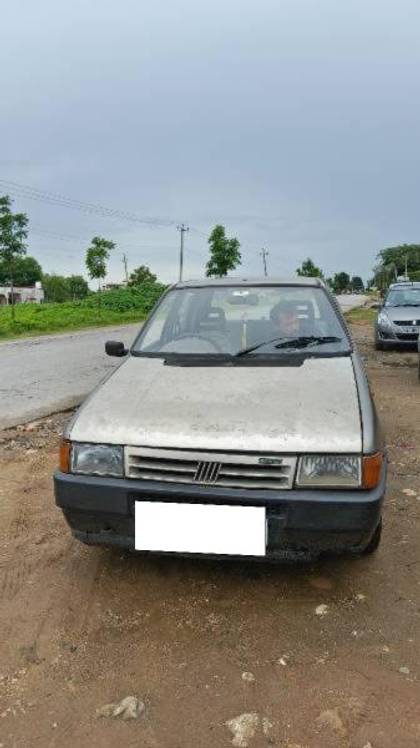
{"points": [[394, 262], [357, 283], [384, 275], [341, 282], [27, 271], [58, 288], [309, 269], [224, 253], [13, 233], [96, 258], [77, 287], [141, 275], [55, 288], [399, 255]]}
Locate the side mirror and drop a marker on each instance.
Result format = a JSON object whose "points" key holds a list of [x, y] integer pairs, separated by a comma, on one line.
{"points": [[376, 305], [115, 348]]}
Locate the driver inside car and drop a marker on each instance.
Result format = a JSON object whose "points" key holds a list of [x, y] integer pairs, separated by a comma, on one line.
{"points": [[286, 320]]}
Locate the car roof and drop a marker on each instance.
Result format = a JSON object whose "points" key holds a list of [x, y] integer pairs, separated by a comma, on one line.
{"points": [[250, 281], [404, 284]]}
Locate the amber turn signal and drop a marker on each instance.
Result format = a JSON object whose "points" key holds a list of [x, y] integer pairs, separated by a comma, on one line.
{"points": [[65, 456], [372, 467]]}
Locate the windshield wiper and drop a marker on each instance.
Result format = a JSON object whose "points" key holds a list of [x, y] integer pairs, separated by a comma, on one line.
{"points": [[251, 348], [306, 340], [301, 342]]}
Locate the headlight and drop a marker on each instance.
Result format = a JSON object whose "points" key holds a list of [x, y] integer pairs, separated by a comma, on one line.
{"points": [[97, 459], [329, 471], [383, 319]]}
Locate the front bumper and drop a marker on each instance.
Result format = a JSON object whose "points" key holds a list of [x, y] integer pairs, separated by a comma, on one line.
{"points": [[299, 522], [393, 337]]}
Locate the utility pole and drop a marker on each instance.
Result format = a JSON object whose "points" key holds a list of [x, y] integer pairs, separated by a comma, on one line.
{"points": [[406, 267], [182, 229], [264, 253], [124, 259]]}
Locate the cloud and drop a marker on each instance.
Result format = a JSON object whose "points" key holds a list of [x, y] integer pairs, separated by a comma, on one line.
{"points": [[295, 123]]}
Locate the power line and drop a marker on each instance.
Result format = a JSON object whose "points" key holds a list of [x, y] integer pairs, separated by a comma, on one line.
{"points": [[40, 231], [52, 198], [200, 233], [64, 256], [24, 191]]}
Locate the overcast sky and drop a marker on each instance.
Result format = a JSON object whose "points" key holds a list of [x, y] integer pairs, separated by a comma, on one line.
{"points": [[295, 123]]}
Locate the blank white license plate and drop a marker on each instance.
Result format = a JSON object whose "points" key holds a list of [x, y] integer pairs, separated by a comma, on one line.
{"points": [[200, 528]]}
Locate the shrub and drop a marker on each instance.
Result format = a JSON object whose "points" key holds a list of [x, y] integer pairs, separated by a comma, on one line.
{"points": [[118, 306]]}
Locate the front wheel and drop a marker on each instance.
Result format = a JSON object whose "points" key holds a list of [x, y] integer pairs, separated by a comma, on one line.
{"points": [[375, 540], [378, 345]]}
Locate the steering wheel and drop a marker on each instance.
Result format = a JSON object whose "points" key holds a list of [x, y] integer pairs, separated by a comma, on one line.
{"points": [[215, 345]]}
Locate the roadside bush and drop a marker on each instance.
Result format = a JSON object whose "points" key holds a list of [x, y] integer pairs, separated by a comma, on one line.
{"points": [[117, 306], [143, 298]]}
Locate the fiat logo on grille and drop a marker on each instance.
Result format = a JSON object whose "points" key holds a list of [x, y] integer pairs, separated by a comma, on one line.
{"points": [[207, 472]]}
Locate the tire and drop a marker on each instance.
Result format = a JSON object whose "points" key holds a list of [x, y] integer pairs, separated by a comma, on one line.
{"points": [[374, 542], [379, 346]]}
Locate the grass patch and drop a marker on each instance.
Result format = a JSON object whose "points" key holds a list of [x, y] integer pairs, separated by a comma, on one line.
{"points": [[361, 315], [117, 307]]}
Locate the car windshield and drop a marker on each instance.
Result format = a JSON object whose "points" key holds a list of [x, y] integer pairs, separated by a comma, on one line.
{"points": [[403, 297], [252, 321]]}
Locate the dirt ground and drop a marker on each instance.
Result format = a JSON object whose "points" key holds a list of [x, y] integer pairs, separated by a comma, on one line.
{"points": [[202, 643]]}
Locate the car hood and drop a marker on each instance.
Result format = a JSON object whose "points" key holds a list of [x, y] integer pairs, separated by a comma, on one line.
{"points": [[308, 408], [407, 314]]}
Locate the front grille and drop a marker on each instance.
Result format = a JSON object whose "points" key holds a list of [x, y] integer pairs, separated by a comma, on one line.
{"points": [[407, 323], [258, 471], [408, 336]]}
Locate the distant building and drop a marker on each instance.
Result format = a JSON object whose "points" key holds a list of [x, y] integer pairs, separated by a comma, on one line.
{"points": [[22, 294], [112, 286]]}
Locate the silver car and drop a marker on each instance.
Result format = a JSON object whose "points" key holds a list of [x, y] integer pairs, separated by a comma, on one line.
{"points": [[398, 321], [240, 423]]}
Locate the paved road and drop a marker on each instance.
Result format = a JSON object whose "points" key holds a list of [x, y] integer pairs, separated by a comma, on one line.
{"points": [[351, 301], [42, 375]]}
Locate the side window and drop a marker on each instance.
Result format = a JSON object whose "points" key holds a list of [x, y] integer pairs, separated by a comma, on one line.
{"points": [[173, 318], [155, 331]]}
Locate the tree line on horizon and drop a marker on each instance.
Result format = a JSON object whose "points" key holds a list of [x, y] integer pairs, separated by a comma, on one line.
{"points": [[19, 269]]}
